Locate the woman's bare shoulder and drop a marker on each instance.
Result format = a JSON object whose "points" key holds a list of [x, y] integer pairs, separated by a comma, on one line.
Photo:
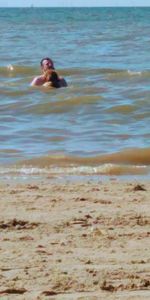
{"points": [[38, 80]]}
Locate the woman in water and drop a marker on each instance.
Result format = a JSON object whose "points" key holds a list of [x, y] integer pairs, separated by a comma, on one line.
{"points": [[49, 78]]}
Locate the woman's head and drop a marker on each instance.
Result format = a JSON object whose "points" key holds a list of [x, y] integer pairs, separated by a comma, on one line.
{"points": [[47, 63], [47, 74]]}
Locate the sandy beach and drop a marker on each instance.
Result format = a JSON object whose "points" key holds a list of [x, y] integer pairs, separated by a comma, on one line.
{"points": [[75, 240]]}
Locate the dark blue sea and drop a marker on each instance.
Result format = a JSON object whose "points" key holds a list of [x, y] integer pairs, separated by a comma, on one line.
{"points": [[100, 123]]}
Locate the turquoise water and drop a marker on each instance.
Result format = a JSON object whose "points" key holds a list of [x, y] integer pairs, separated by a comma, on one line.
{"points": [[100, 122]]}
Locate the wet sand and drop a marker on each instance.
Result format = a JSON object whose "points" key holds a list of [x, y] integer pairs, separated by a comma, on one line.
{"points": [[76, 241]]}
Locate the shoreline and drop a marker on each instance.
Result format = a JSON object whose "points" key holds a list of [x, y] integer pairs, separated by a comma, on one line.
{"points": [[76, 240]]}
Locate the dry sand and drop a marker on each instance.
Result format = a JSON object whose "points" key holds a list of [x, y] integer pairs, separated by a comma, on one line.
{"points": [[76, 241]]}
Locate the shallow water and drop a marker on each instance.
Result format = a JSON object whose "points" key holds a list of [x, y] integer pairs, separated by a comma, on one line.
{"points": [[100, 123]]}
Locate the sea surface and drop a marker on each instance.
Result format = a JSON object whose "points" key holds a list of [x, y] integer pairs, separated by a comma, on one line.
{"points": [[100, 123]]}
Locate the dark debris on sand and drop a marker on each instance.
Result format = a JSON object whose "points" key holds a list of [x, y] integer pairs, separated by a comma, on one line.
{"points": [[17, 224]]}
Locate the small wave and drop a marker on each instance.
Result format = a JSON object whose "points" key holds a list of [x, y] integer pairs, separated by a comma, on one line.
{"points": [[127, 162], [62, 106], [104, 169], [134, 73], [123, 109], [34, 70], [91, 71], [127, 74], [104, 71], [131, 157], [15, 70]]}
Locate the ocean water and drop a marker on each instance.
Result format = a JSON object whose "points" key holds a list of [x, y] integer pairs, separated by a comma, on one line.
{"points": [[100, 123]]}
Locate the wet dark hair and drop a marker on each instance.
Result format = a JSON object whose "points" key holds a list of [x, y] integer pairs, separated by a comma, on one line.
{"points": [[54, 79], [48, 59]]}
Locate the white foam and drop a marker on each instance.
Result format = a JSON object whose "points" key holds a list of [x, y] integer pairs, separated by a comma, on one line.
{"points": [[134, 72], [104, 169], [10, 67]]}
